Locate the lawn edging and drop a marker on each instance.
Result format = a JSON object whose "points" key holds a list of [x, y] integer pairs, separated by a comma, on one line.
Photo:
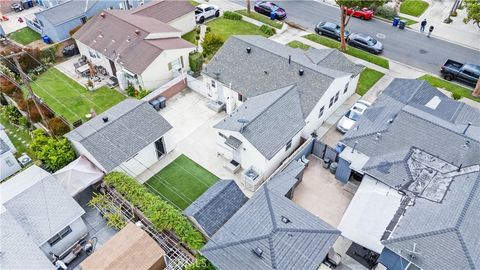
{"points": [[261, 18], [24, 36], [368, 78], [374, 59], [449, 86]]}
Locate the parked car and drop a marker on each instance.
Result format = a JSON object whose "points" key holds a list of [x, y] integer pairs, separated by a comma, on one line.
{"points": [[365, 42], [467, 73], [330, 29], [266, 8], [205, 11], [349, 119], [16, 7], [364, 13]]}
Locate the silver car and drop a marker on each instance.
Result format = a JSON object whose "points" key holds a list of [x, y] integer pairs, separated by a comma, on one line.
{"points": [[365, 42], [349, 119]]}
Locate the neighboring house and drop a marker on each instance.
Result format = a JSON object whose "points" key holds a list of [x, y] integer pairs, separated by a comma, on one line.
{"points": [[48, 215], [129, 137], [418, 203], [130, 248], [270, 232], [48, 3], [142, 47], [8, 162], [215, 206], [275, 95]]}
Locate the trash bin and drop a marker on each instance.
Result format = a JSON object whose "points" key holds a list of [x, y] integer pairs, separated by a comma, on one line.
{"points": [[401, 24], [326, 163], [163, 102], [272, 15], [395, 21], [46, 39], [333, 167]]}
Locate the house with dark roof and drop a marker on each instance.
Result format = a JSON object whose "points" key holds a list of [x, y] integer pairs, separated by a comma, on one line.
{"points": [[417, 150], [270, 232], [38, 216], [214, 207], [142, 46], [274, 95], [129, 137]]}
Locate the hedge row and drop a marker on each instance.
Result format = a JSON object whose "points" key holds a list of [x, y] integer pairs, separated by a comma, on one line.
{"points": [[162, 215]]}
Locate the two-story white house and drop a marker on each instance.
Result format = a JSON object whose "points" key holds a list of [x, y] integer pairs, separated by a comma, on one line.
{"points": [[274, 95]]}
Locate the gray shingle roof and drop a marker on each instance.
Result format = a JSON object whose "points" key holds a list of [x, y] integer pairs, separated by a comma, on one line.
{"points": [[266, 68], [446, 234], [333, 59], [284, 180], [274, 118], [3, 147], [132, 125], [44, 209], [165, 10], [18, 251], [67, 11], [301, 243], [216, 205]]}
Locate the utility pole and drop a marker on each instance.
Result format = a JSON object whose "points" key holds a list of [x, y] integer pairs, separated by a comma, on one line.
{"points": [[29, 88]]}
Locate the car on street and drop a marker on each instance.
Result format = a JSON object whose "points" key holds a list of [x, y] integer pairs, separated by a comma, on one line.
{"points": [[364, 13], [267, 7], [365, 42], [348, 120], [467, 73], [329, 29], [205, 11]]}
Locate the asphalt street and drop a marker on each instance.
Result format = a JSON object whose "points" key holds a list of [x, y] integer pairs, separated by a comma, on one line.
{"points": [[405, 46]]}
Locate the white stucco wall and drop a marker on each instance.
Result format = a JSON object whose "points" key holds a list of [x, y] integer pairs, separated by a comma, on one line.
{"points": [[101, 61], [80, 150], [186, 23], [79, 229]]}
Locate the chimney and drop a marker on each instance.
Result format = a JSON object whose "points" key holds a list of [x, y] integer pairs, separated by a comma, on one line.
{"points": [[102, 14], [105, 119], [249, 50], [289, 59], [301, 71]]}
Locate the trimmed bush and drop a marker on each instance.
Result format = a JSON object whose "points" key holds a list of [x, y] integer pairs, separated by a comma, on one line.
{"points": [[456, 96], [196, 61], [57, 126], [386, 12], [53, 153], [232, 16], [162, 215], [211, 43], [267, 30]]}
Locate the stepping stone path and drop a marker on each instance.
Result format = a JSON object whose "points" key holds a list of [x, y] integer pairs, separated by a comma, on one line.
{"points": [[13, 134]]}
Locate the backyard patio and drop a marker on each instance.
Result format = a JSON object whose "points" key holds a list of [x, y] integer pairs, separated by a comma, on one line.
{"points": [[181, 182]]}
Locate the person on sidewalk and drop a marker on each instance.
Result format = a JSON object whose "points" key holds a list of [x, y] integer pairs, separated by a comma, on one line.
{"points": [[423, 24], [430, 30]]}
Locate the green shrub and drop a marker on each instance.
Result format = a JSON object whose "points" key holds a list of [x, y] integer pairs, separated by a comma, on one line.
{"points": [[211, 43], [58, 127], [386, 12], [267, 30], [454, 13], [12, 114], [162, 215], [232, 16], [201, 263], [456, 96], [208, 29], [54, 153], [196, 61]]}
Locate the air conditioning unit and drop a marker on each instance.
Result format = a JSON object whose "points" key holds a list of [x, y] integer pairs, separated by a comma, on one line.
{"points": [[24, 160]]}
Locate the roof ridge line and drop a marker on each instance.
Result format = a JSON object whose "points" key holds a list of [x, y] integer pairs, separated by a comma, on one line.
{"points": [[392, 162], [468, 202], [273, 257], [270, 208], [465, 249], [220, 191], [240, 242], [419, 235], [327, 231]]}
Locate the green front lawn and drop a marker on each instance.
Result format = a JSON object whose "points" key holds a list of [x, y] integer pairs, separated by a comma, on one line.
{"points": [[181, 182], [298, 44], [409, 22], [20, 137], [190, 37], [413, 7], [70, 99], [261, 18], [374, 59], [225, 28], [24, 36], [368, 78], [449, 86]]}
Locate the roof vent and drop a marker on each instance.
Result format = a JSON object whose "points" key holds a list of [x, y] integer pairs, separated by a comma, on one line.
{"points": [[285, 220], [301, 71], [258, 251], [217, 74], [466, 128], [102, 14], [249, 50], [266, 72], [105, 119], [377, 137], [289, 59], [137, 32]]}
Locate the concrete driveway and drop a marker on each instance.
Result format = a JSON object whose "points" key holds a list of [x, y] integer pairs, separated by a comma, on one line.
{"points": [[12, 24]]}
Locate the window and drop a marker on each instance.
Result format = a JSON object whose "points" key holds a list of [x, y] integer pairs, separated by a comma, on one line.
{"points": [[222, 135], [331, 102], [213, 83], [322, 109], [84, 20], [336, 96], [289, 144], [59, 236], [346, 88]]}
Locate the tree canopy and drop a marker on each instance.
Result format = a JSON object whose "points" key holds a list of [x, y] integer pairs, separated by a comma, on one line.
{"points": [[473, 11]]}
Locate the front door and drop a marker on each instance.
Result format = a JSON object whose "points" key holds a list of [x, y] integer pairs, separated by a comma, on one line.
{"points": [[160, 148], [112, 66]]}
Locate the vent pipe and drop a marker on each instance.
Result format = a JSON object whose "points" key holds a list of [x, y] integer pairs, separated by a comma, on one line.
{"points": [[289, 59], [378, 136], [466, 128], [354, 146], [102, 14], [137, 32], [105, 119], [249, 50], [258, 251], [301, 71]]}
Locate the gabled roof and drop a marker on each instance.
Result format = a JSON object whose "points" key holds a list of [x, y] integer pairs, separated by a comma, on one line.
{"points": [[216, 205], [267, 68], [165, 10], [121, 36], [333, 59], [286, 179], [68, 10], [132, 125], [17, 248], [274, 118], [300, 243], [44, 208], [445, 234]]}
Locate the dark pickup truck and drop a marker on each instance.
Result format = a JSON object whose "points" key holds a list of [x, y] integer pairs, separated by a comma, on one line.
{"points": [[467, 73]]}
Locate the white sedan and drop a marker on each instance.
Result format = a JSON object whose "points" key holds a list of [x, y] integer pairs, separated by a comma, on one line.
{"points": [[205, 11], [349, 119]]}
